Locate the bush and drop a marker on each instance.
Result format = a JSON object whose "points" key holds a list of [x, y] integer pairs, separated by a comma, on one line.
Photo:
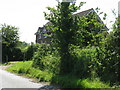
{"points": [[85, 61], [109, 61], [46, 59], [15, 54], [51, 63], [30, 51], [43, 50]]}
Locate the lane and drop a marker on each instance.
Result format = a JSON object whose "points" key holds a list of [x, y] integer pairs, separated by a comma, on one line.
{"points": [[9, 80]]}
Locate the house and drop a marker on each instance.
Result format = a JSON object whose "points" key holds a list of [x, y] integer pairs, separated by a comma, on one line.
{"points": [[40, 34]]}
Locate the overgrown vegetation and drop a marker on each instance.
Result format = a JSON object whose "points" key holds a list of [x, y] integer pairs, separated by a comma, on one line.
{"points": [[46, 59], [12, 48], [25, 68], [9, 42], [72, 29], [82, 54]]}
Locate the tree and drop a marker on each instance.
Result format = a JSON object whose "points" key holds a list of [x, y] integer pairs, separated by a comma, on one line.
{"points": [[109, 55], [90, 30], [62, 23], [9, 41], [76, 30], [115, 46]]}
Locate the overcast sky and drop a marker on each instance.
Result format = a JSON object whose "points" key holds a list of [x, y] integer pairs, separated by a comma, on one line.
{"points": [[28, 14]]}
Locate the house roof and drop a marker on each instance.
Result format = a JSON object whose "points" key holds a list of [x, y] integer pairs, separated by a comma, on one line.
{"points": [[39, 30], [80, 14], [84, 12]]}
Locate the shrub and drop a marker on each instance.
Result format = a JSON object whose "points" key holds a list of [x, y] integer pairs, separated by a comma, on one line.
{"points": [[85, 61], [46, 59], [43, 50], [51, 63], [17, 55], [30, 51]]}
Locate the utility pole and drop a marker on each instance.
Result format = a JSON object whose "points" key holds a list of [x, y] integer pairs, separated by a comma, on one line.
{"points": [[119, 8]]}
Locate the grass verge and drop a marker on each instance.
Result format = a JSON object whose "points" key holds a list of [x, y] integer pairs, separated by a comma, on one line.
{"points": [[25, 68], [68, 81]]}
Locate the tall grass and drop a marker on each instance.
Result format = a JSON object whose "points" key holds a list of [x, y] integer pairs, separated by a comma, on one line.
{"points": [[68, 81], [25, 68]]}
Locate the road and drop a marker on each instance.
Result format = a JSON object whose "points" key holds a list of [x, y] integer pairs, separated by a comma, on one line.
{"points": [[9, 80]]}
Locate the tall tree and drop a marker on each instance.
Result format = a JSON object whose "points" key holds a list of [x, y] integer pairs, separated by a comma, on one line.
{"points": [[62, 23], [109, 55], [9, 41], [69, 29]]}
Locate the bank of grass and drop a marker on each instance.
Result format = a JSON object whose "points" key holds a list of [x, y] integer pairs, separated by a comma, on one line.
{"points": [[67, 81], [25, 68]]}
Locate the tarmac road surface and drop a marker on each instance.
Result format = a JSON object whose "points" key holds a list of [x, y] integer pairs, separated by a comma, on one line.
{"points": [[9, 80]]}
